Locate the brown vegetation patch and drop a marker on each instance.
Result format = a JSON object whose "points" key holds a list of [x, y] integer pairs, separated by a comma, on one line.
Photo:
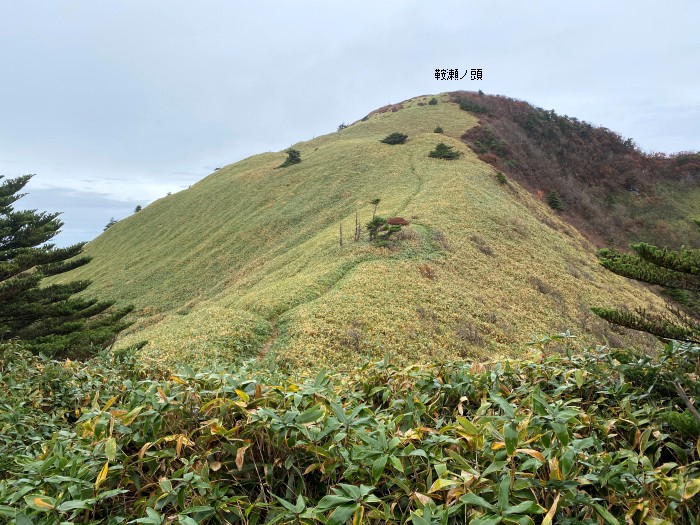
{"points": [[610, 186]]}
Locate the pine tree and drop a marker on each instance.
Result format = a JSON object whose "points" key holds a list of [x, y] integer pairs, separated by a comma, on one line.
{"points": [[395, 138], [112, 222], [293, 157], [554, 201], [47, 319], [443, 151], [677, 271]]}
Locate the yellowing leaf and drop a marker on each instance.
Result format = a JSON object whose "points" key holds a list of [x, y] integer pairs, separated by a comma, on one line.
{"points": [[422, 498], [547, 520], [182, 440], [498, 446], [109, 403], [534, 453], [162, 396], [102, 475], [215, 465], [239, 456], [144, 449], [691, 488], [441, 484], [554, 471], [245, 397], [129, 418], [42, 503], [178, 380]]}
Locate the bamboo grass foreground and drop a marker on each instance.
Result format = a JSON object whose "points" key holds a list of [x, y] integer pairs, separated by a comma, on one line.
{"points": [[585, 438]]}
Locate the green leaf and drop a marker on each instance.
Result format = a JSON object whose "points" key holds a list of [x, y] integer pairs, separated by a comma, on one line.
{"points": [[524, 507], [330, 501], [199, 508], [286, 504], [75, 504], [22, 519], [187, 369], [486, 519], [511, 438], [396, 463], [310, 415], [505, 406], [523, 519], [503, 492], [378, 467], [477, 501], [153, 517], [341, 514], [129, 418], [562, 432], [186, 520], [110, 494], [418, 520], [468, 426], [603, 512], [111, 449]]}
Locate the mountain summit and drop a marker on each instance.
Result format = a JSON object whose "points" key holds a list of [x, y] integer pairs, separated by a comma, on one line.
{"points": [[249, 262]]}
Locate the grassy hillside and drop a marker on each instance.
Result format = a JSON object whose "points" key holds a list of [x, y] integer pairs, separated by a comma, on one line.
{"points": [[248, 261]]}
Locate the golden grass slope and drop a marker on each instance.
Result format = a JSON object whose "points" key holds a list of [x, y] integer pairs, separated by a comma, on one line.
{"points": [[247, 261]]}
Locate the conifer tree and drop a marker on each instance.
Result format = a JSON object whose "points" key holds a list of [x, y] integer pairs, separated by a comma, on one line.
{"points": [[554, 201], [443, 151], [677, 271], [47, 319], [293, 157], [395, 138]]}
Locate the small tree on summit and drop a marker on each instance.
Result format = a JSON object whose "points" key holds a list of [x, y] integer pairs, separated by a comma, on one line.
{"points": [[47, 319], [293, 157], [112, 222]]}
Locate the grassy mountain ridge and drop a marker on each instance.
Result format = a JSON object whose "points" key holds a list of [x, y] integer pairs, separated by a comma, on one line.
{"points": [[248, 262]]}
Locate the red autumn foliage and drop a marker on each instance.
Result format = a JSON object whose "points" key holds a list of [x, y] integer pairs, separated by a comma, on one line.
{"points": [[606, 181], [489, 158], [397, 221]]}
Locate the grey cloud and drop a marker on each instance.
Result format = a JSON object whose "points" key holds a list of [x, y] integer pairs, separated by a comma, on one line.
{"points": [[137, 98]]}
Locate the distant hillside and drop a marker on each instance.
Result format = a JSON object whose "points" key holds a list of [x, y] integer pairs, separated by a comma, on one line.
{"points": [[247, 262], [612, 192]]}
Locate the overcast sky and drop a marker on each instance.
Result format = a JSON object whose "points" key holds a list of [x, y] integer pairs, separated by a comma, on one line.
{"points": [[116, 103]]}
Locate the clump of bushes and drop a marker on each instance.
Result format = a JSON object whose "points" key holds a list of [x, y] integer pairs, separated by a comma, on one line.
{"points": [[554, 437], [438, 130], [443, 151], [380, 229], [501, 178], [433, 101], [395, 138], [293, 157], [470, 105], [489, 158]]}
